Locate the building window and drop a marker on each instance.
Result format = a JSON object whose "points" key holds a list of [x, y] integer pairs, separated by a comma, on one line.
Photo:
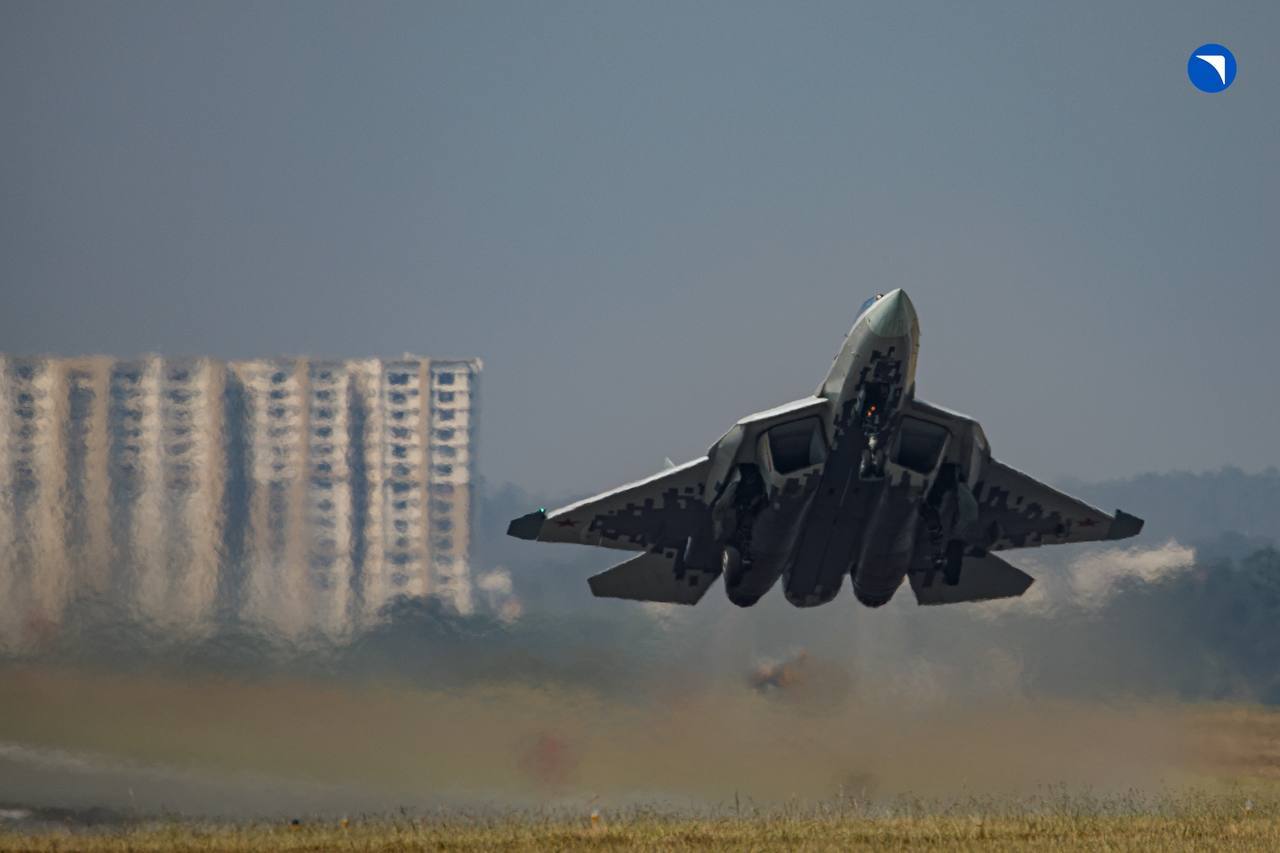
{"points": [[444, 378]]}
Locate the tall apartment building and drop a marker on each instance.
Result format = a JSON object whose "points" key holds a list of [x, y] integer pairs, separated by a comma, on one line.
{"points": [[88, 497], [420, 519], [34, 580], [402, 472], [302, 496], [192, 474], [331, 513], [453, 388], [274, 428]]}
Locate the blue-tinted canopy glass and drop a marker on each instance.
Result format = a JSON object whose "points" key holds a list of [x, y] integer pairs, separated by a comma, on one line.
{"points": [[867, 304]]}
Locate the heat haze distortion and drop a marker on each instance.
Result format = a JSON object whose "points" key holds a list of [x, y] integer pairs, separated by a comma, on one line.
{"points": [[296, 496]]}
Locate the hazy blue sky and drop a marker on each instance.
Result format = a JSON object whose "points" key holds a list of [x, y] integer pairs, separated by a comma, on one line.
{"points": [[650, 218]]}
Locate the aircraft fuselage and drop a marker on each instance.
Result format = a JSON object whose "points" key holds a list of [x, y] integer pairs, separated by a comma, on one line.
{"points": [[855, 515], [861, 478]]}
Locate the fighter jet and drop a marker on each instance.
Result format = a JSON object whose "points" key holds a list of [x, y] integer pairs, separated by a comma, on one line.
{"points": [[862, 479]]}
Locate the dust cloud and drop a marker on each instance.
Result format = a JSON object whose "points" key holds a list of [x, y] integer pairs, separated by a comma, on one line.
{"points": [[613, 705], [210, 745]]}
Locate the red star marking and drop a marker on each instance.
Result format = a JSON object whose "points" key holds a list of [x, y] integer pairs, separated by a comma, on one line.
{"points": [[566, 522], [1087, 522]]}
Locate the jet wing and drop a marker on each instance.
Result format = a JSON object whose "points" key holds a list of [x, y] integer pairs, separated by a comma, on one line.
{"points": [[1017, 511], [656, 514]]}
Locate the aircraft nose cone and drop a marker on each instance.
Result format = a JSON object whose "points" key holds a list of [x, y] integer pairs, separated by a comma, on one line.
{"points": [[893, 316]]}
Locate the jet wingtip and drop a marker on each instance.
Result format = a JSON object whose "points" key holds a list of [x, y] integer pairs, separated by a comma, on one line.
{"points": [[527, 526], [1125, 526]]}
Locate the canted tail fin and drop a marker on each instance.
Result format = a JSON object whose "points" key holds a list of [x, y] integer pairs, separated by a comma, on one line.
{"points": [[981, 579], [653, 577]]}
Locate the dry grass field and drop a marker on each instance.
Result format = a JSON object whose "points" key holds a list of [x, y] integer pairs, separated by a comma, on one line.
{"points": [[713, 769], [1192, 824]]}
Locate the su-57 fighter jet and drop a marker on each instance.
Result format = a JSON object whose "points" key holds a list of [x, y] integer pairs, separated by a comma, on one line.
{"points": [[861, 479]]}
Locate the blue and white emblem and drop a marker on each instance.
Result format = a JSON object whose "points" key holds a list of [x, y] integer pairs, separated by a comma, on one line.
{"points": [[1212, 68]]}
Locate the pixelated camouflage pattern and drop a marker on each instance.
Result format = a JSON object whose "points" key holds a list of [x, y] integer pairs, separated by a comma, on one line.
{"points": [[656, 513], [859, 510]]}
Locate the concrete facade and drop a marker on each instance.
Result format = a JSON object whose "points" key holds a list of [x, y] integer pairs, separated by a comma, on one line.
{"points": [[295, 496]]}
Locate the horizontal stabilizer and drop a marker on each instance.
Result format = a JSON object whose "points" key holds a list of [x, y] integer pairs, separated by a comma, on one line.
{"points": [[981, 579], [652, 577]]}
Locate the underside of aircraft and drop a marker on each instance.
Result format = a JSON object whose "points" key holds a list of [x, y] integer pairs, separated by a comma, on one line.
{"points": [[861, 479]]}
